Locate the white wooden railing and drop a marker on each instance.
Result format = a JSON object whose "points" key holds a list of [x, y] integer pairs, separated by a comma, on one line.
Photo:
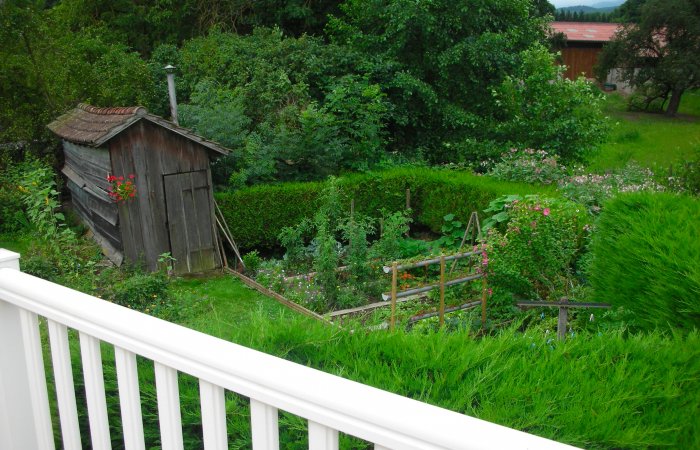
{"points": [[330, 404]]}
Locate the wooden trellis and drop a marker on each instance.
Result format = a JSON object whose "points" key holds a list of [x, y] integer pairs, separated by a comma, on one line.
{"points": [[395, 294]]}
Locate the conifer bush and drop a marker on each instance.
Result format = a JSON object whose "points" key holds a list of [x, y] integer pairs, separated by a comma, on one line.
{"points": [[646, 259]]}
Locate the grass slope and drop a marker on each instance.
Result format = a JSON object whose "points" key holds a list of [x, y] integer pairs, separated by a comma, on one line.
{"points": [[595, 391], [652, 140]]}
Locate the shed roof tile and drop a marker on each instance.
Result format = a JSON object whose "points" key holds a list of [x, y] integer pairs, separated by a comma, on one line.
{"points": [[93, 126]]}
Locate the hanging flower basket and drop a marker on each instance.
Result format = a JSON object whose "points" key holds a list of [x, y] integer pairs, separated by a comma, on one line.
{"points": [[121, 190]]}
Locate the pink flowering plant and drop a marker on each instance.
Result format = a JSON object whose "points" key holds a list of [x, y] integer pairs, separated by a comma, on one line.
{"points": [[532, 252], [121, 190]]}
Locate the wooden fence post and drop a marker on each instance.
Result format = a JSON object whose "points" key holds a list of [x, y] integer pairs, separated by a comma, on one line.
{"points": [[563, 320], [442, 290]]}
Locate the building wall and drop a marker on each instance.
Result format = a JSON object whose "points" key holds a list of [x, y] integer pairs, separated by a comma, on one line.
{"points": [[150, 152], [580, 60], [86, 169]]}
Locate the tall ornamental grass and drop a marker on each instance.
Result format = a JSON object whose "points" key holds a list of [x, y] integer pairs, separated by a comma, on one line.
{"points": [[646, 259]]}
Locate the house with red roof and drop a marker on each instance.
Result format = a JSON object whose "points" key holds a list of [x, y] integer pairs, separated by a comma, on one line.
{"points": [[584, 42]]}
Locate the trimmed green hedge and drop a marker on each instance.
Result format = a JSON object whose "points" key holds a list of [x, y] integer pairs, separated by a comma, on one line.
{"points": [[646, 258], [256, 215]]}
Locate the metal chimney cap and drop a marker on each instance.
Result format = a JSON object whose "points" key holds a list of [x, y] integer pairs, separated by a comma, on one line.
{"points": [[169, 68]]}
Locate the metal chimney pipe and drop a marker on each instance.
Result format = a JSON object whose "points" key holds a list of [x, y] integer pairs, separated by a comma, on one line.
{"points": [[170, 70]]}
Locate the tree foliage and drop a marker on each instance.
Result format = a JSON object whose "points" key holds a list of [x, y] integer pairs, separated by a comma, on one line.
{"points": [[659, 55], [437, 62], [47, 69], [372, 81]]}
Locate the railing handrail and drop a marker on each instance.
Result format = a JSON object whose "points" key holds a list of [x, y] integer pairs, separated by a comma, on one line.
{"points": [[375, 415]]}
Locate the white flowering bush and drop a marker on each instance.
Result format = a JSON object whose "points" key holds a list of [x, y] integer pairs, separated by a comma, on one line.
{"points": [[593, 189], [529, 166]]}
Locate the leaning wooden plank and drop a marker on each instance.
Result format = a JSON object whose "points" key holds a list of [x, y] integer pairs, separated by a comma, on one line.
{"points": [[372, 306], [260, 288], [221, 221], [534, 304]]}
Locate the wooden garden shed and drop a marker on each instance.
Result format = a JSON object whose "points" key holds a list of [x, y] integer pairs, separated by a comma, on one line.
{"points": [[172, 210]]}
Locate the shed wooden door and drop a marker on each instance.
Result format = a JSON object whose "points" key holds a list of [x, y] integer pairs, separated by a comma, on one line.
{"points": [[192, 240]]}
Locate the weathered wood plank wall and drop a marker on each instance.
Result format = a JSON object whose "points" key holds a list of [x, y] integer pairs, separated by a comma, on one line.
{"points": [[580, 60], [151, 152], [86, 169]]}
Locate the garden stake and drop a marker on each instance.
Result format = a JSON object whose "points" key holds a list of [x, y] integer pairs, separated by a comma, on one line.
{"points": [[408, 204], [442, 290], [394, 272], [564, 306], [475, 228], [563, 320]]}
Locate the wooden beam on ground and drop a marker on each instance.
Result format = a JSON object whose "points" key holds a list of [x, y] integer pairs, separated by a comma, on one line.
{"points": [[535, 304], [469, 305], [371, 306], [289, 304]]}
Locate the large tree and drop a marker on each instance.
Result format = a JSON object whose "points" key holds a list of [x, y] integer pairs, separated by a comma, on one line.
{"points": [[660, 54]]}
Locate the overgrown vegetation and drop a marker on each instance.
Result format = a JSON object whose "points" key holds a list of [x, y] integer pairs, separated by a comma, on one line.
{"points": [[498, 378], [303, 90], [258, 214], [358, 92]]}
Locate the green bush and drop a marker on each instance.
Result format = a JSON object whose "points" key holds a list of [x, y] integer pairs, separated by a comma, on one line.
{"points": [[645, 255], [257, 215], [143, 292], [532, 258]]}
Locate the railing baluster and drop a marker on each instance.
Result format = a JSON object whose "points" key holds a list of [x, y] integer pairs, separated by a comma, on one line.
{"points": [[129, 399], [321, 437], [264, 426], [91, 356], [37, 379], [168, 407], [213, 416], [65, 389]]}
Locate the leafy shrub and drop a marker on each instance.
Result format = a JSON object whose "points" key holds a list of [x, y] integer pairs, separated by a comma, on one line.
{"points": [[541, 109], [528, 166], [326, 261], [532, 257], [452, 233], [143, 292], [41, 201], [394, 227], [252, 261], [12, 216], [41, 265], [354, 231], [292, 239], [686, 176], [645, 255]]}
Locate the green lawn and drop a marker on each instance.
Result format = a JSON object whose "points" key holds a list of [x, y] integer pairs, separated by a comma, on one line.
{"points": [[652, 140], [224, 303]]}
